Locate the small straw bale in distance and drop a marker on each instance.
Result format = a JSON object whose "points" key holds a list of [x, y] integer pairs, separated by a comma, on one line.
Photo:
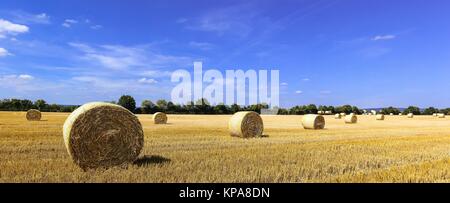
{"points": [[102, 135], [380, 117], [246, 124], [337, 116], [435, 114], [312, 121], [441, 115], [391, 114], [343, 114], [351, 119], [410, 115], [33, 115], [159, 118]]}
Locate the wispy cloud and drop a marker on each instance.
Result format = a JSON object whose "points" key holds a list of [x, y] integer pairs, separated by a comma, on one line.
{"points": [[96, 27], [201, 45], [4, 52], [305, 79], [284, 84], [20, 16], [117, 57], [235, 20], [383, 37], [69, 22], [298, 92], [9, 28], [147, 81]]}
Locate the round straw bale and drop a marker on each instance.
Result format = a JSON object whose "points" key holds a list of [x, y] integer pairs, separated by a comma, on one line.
{"points": [[400, 114], [102, 135], [33, 115], [312, 121], [391, 114], [343, 114], [441, 115], [435, 114], [380, 117], [337, 116], [246, 124], [159, 118], [410, 115], [351, 119]]}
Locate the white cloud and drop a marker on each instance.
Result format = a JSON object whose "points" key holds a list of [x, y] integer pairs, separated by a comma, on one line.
{"points": [[117, 57], [201, 45], [96, 27], [27, 18], [9, 28], [306, 79], [25, 77], [147, 81], [4, 52], [383, 37], [69, 22], [235, 20], [298, 92], [72, 21], [15, 79], [283, 84]]}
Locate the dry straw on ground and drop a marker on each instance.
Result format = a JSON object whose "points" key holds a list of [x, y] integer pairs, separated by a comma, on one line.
{"points": [[101, 135], [351, 119], [380, 117], [410, 115], [312, 121], [246, 124], [159, 118], [337, 116], [33, 115]]}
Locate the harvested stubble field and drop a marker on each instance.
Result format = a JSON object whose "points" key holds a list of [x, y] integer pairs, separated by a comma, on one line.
{"points": [[198, 148]]}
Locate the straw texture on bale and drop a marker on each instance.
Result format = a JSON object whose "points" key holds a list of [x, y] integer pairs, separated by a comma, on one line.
{"points": [[159, 118], [312, 121], [246, 124], [441, 115], [337, 116], [33, 115], [380, 117], [351, 119], [102, 135], [410, 115]]}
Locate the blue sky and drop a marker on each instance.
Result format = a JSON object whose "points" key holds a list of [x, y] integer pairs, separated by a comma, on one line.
{"points": [[370, 53]]}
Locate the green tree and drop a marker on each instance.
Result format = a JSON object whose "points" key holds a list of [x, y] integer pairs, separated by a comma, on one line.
{"points": [[41, 104], [127, 102], [162, 104], [412, 109], [430, 111], [147, 106]]}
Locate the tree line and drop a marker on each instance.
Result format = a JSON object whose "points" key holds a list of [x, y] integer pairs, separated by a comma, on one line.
{"points": [[203, 107]]}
